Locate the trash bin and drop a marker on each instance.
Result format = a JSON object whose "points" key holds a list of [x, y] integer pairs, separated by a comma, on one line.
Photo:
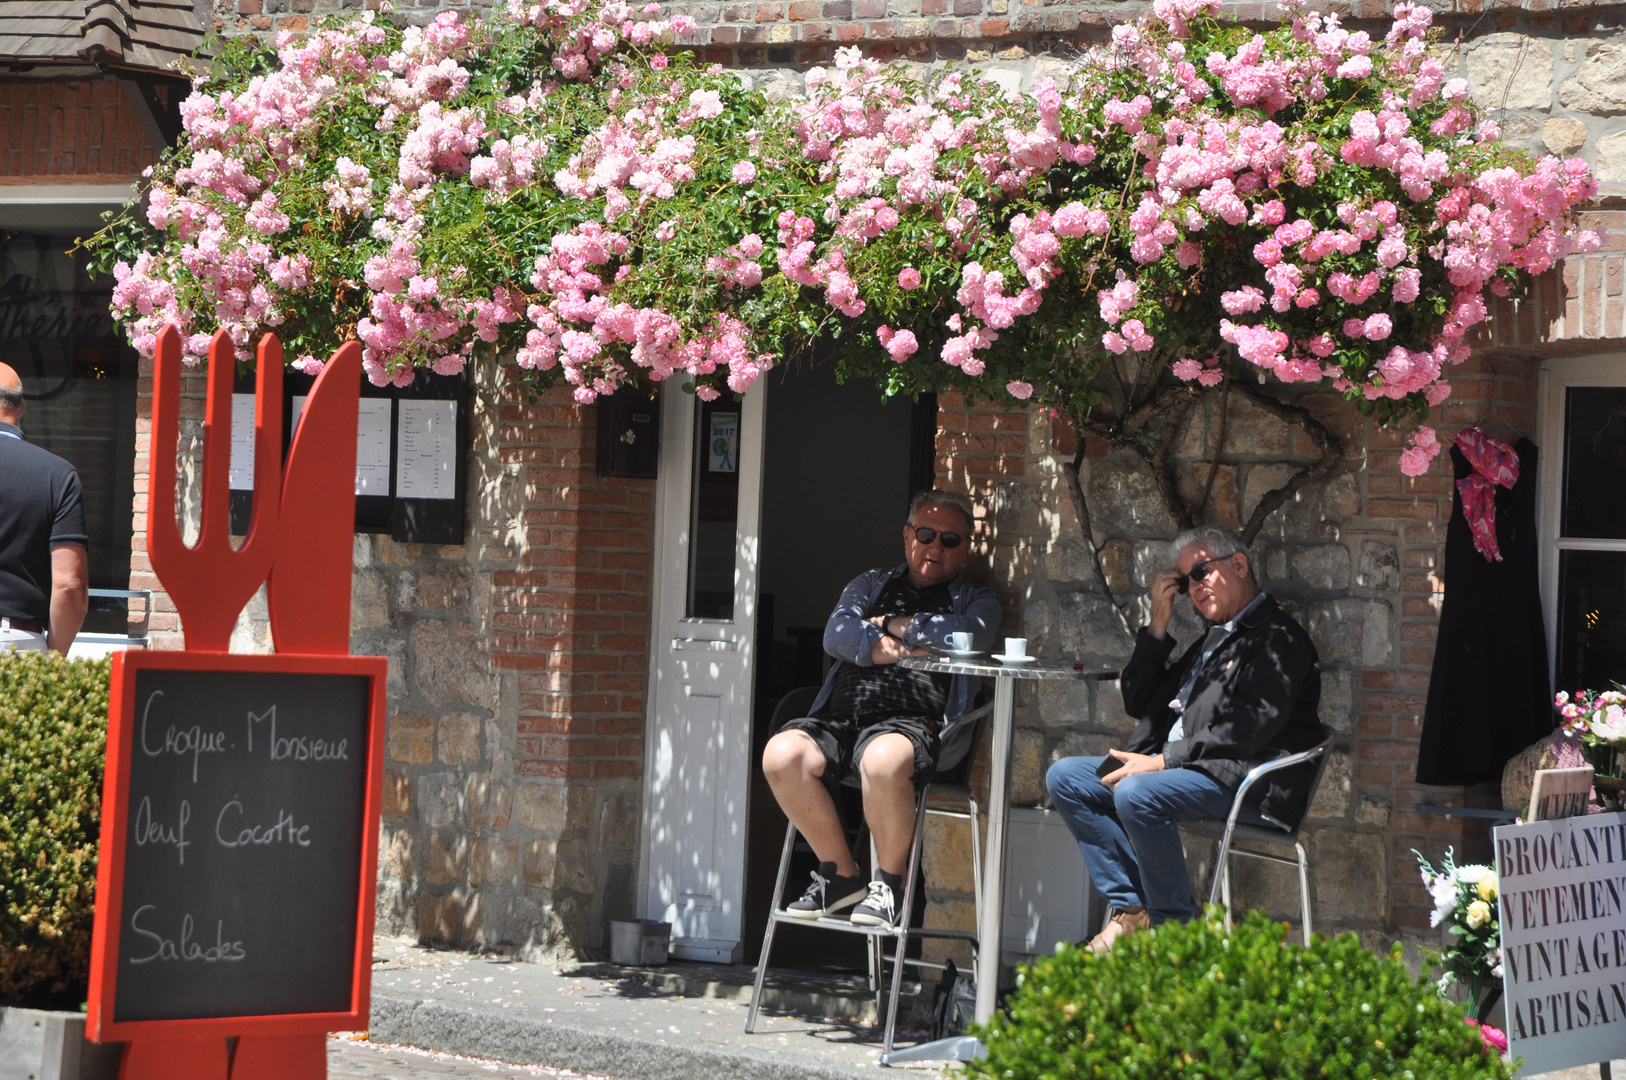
{"points": [[640, 942]]}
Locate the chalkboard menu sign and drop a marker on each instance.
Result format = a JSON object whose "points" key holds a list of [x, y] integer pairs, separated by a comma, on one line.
{"points": [[240, 815]]}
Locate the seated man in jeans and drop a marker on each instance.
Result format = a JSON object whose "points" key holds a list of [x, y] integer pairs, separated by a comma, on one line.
{"points": [[879, 720], [1243, 694]]}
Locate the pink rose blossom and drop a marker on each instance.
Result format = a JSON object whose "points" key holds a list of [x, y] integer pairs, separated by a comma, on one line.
{"points": [[744, 172], [1019, 390], [908, 279]]}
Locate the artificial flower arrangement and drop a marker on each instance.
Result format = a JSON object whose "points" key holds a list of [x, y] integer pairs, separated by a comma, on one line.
{"points": [[1598, 719], [1465, 902], [562, 183]]}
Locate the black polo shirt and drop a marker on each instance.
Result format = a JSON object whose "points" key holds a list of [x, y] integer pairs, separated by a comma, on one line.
{"points": [[41, 507]]}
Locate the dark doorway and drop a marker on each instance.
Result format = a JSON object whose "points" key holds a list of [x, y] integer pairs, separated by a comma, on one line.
{"points": [[840, 465]]}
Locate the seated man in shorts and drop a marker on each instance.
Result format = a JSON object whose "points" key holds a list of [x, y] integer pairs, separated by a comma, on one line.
{"points": [[880, 720]]}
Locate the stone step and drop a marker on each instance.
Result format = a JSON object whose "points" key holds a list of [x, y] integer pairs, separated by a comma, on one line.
{"points": [[803, 993]]}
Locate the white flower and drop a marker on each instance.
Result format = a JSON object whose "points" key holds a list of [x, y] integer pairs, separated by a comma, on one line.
{"points": [[1444, 892], [1470, 875]]}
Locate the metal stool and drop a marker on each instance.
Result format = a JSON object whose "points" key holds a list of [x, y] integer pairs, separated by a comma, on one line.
{"points": [[953, 785]]}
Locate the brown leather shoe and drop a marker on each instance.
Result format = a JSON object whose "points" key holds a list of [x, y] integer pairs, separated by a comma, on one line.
{"points": [[1120, 924]]}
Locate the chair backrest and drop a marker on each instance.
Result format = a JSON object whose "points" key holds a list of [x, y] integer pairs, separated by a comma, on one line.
{"points": [[1328, 738], [960, 772], [793, 706]]}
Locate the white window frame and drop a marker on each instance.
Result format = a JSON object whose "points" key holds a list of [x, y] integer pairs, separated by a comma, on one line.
{"points": [[1556, 377]]}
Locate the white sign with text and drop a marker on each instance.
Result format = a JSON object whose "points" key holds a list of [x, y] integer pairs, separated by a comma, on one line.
{"points": [[1562, 900]]}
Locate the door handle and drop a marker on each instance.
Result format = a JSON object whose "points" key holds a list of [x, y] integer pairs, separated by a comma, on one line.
{"points": [[684, 644]]}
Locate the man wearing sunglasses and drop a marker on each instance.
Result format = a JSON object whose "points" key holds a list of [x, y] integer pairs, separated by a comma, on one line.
{"points": [[878, 720], [1244, 693]]}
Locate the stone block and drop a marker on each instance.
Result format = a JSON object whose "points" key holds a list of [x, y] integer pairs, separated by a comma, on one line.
{"points": [[439, 799], [1379, 567], [1260, 481], [618, 822], [1372, 811], [1609, 157], [542, 808], [1084, 744], [1338, 700], [1069, 561], [397, 801], [1063, 704], [1563, 136], [1087, 625], [1116, 559], [440, 919], [444, 588], [947, 855], [492, 861], [1341, 497], [942, 914], [412, 739], [449, 667], [1038, 623], [1274, 561], [1151, 556], [499, 803], [1332, 797], [369, 600], [1511, 71], [447, 860], [1109, 709], [459, 742], [1325, 566], [1256, 884], [571, 869], [1349, 872], [1351, 631], [398, 849], [1599, 84], [1518, 129], [1250, 430], [1124, 499], [536, 862], [1220, 504], [1027, 767]]}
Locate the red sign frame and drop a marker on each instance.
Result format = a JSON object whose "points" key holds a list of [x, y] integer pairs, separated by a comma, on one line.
{"points": [[100, 1025]]}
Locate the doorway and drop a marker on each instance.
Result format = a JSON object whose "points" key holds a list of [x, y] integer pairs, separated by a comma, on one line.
{"points": [[840, 464]]}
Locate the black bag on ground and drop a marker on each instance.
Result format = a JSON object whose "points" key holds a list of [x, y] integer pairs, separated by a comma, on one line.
{"points": [[954, 1003]]}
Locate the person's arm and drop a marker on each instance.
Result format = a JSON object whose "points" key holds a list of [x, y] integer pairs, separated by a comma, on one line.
{"points": [[70, 595], [1257, 706], [981, 620], [848, 635]]}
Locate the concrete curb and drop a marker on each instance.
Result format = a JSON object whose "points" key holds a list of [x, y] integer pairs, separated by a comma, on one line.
{"points": [[432, 1025]]}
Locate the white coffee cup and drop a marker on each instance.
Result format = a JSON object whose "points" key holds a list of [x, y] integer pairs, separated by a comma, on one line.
{"points": [[960, 641], [1016, 646]]}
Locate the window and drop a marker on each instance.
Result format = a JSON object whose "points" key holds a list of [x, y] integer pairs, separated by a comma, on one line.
{"points": [[1582, 434]]}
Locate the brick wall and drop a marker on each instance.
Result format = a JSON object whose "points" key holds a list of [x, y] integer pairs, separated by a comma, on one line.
{"points": [[86, 132]]}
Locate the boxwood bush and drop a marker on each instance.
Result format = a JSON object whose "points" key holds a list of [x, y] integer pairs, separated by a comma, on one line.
{"points": [[53, 730], [1191, 1001]]}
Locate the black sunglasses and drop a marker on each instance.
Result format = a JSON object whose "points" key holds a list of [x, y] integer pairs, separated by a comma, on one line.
{"points": [[1201, 570], [926, 534]]}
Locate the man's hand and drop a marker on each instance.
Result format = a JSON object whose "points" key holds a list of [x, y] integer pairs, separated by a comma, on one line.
{"points": [[1164, 589], [1132, 764], [889, 650]]}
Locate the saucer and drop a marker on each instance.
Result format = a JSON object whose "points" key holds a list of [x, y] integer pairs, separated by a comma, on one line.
{"points": [[962, 654], [1003, 659]]}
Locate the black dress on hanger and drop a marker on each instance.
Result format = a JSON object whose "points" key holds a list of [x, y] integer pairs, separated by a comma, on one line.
{"points": [[1489, 696]]}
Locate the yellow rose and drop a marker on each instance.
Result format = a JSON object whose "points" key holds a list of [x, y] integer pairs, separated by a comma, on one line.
{"points": [[1487, 888], [1479, 913]]}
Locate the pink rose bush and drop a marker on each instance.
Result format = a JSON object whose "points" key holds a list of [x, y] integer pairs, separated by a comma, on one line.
{"points": [[1311, 206]]}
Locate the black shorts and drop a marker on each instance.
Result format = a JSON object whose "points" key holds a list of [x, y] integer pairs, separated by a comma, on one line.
{"points": [[843, 743]]}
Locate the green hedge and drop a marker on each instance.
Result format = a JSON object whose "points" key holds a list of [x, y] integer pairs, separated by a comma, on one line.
{"points": [[53, 731], [1191, 1002]]}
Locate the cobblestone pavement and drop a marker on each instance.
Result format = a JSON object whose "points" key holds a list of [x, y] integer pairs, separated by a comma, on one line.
{"points": [[351, 1058]]}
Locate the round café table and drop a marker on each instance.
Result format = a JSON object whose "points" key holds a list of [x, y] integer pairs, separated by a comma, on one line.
{"points": [[990, 925]]}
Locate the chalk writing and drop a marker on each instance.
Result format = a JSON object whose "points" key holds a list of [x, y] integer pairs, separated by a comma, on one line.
{"points": [[184, 948], [148, 831], [283, 832], [193, 740], [296, 747]]}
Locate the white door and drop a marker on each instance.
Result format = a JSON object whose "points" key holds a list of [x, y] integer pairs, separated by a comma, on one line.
{"points": [[698, 735]]}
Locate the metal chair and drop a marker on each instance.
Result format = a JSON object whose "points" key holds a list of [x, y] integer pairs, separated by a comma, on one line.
{"points": [[1229, 832], [954, 784]]}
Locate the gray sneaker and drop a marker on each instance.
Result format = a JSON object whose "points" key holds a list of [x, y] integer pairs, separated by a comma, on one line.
{"points": [[878, 908], [826, 896]]}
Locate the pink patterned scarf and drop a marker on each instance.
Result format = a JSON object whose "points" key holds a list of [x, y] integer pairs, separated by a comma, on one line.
{"points": [[1495, 463]]}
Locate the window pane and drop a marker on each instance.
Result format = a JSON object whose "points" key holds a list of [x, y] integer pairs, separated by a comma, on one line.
{"points": [[1595, 462], [79, 375], [714, 510], [1591, 619]]}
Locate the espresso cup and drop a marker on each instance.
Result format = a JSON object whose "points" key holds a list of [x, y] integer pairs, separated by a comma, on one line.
{"points": [[1016, 646], [960, 641]]}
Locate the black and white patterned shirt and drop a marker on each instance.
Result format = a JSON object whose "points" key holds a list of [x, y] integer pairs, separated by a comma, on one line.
{"points": [[887, 691]]}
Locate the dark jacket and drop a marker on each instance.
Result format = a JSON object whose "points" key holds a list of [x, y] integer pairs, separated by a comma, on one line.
{"points": [[1255, 700]]}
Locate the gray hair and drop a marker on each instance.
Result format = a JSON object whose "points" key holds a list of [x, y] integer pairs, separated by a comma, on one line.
{"points": [[11, 400], [948, 500], [1219, 541]]}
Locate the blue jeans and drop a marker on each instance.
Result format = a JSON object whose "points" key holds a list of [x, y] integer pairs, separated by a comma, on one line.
{"points": [[1128, 837]]}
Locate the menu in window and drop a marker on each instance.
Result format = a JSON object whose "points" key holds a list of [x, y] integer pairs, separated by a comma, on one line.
{"points": [[242, 442], [372, 444], [426, 450]]}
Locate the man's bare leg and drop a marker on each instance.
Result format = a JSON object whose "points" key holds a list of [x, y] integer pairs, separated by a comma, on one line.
{"points": [[887, 770], [794, 765]]}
